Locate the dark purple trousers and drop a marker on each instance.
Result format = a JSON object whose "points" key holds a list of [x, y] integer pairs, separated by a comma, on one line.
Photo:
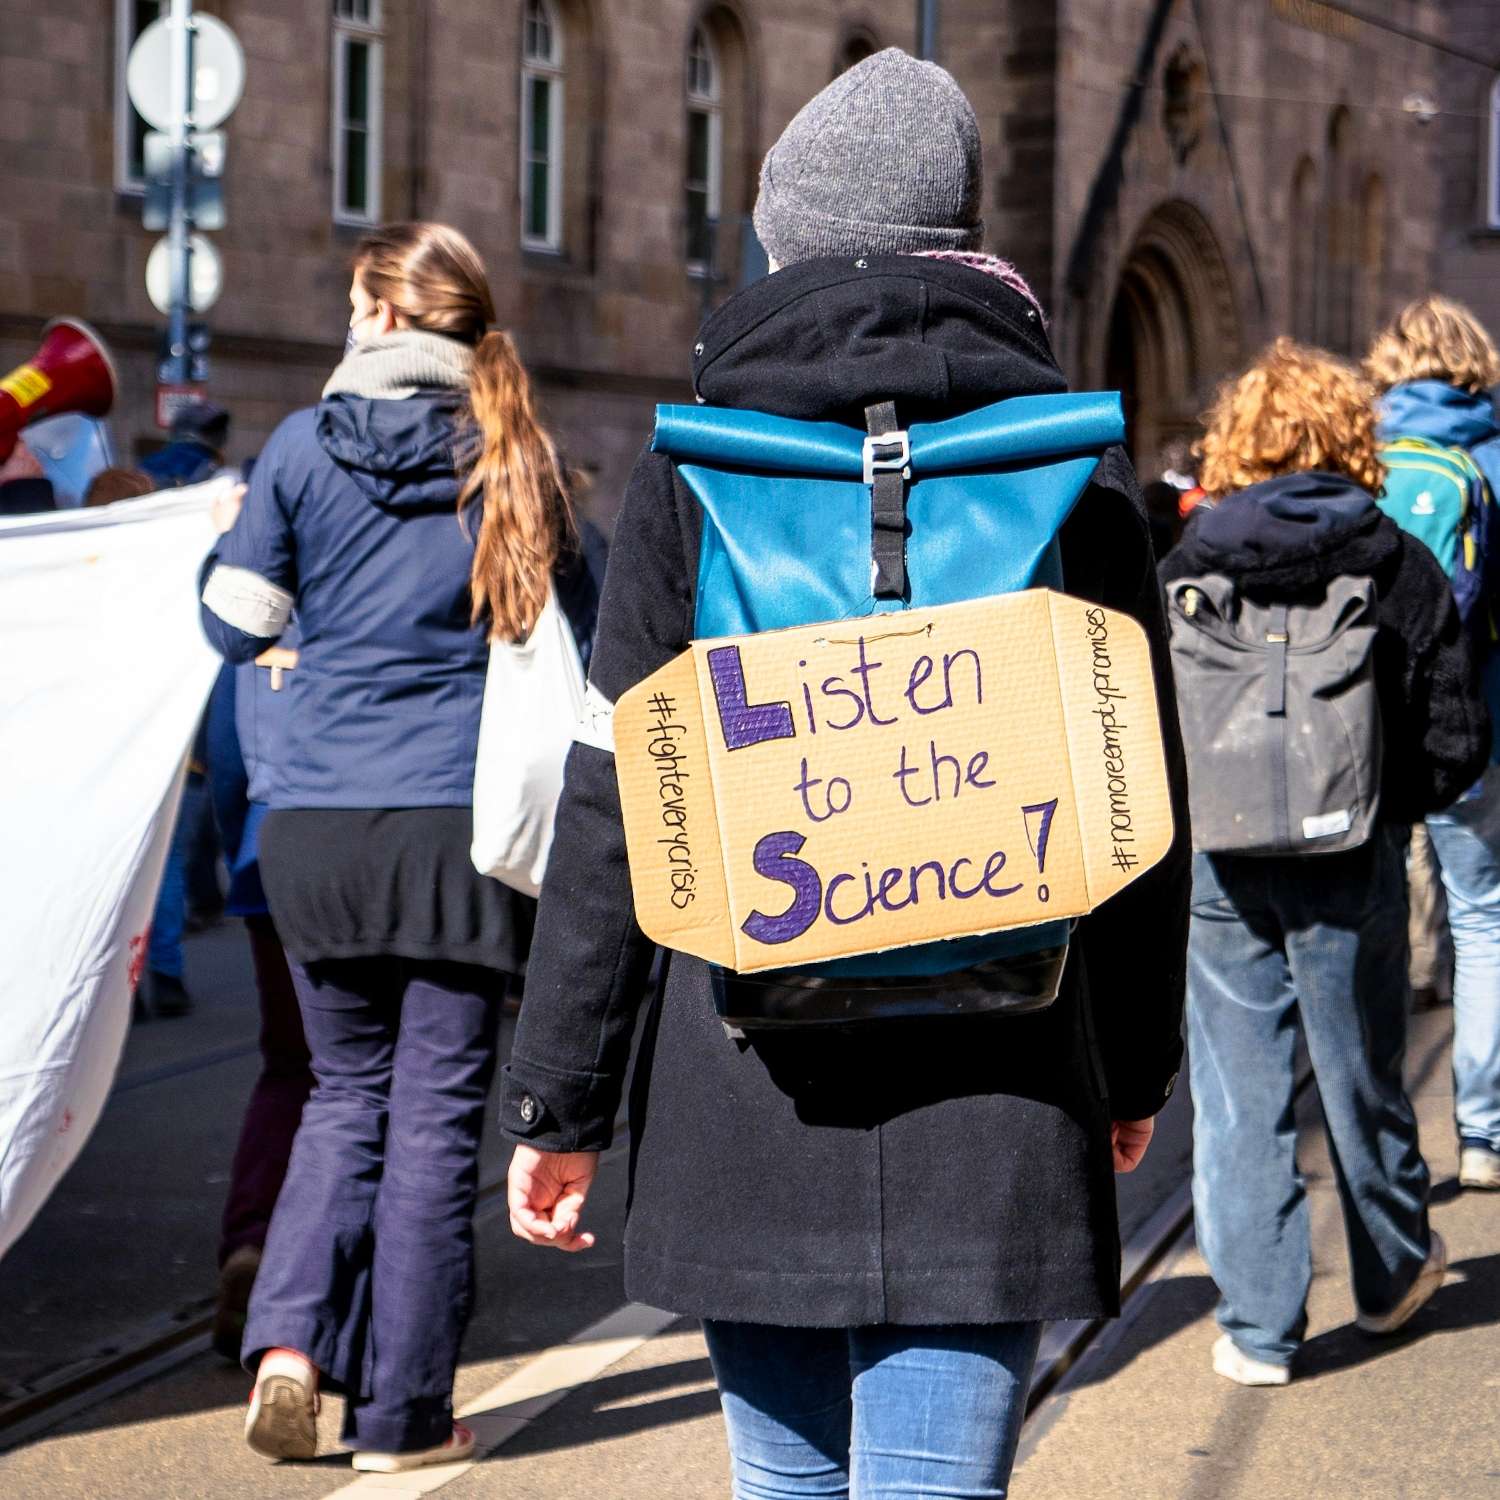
{"points": [[275, 1107], [369, 1266]]}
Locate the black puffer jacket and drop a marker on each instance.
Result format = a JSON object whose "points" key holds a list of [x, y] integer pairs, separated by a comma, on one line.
{"points": [[915, 1171], [1284, 540]]}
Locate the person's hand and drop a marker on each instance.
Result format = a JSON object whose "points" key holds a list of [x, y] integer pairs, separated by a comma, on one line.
{"points": [[225, 511], [22, 464], [1128, 1140], [545, 1191]]}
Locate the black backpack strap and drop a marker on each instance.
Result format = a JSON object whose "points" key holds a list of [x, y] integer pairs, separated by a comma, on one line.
{"points": [[887, 468]]}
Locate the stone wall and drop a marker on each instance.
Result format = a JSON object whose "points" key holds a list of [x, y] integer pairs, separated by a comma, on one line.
{"points": [[1469, 248], [1200, 247], [1201, 229], [606, 324]]}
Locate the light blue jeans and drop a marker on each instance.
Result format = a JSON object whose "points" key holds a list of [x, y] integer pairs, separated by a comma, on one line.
{"points": [[1317, 943], [879, 1413], [1466, 839]]}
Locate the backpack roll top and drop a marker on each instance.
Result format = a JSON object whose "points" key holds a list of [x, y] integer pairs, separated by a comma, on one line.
{"points": [[799, 529], [788, 534], [1280, 716]]}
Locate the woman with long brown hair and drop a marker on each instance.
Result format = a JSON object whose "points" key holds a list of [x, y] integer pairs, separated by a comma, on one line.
{"points": [[418, 512]]}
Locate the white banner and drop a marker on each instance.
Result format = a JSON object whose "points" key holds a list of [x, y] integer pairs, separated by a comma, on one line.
{"points": [[104, 672]]}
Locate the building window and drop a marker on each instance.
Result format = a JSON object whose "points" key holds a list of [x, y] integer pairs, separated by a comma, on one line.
{"points": [[1306, 247], [132, 17], [1492, 196], [541, 127], [704, 151], [357, 50]]}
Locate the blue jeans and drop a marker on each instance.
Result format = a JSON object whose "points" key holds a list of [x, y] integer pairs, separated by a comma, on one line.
{"points": [[164, 946], [1320, 940], [1466, 839], [369, 1261], [872, 1413]]}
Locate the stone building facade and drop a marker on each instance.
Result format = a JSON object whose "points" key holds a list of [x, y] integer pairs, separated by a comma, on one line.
{"points": [[1181, 179], [1468, 123]]}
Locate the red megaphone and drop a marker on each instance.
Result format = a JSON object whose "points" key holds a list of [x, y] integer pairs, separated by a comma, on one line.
{"points": [[72, 371]]}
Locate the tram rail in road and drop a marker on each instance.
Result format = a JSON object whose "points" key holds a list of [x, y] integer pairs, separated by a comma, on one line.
{"points": [[184, 1335]]}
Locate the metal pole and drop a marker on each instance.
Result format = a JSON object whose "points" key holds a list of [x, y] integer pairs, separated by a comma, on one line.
{"points": [[180, 23], [927, 11]]}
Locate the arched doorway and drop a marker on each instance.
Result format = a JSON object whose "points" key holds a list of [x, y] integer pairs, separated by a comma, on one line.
{"points": [[1174, 332]]}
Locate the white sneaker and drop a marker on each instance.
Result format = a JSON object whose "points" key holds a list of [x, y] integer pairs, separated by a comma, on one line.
{"points": [[1234, 1364], [1479, 1167], [1429, 1279], [460, 1445], [283, 1418]]}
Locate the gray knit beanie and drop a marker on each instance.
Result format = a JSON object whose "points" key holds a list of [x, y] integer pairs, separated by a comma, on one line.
{"points": [[885, 161]]}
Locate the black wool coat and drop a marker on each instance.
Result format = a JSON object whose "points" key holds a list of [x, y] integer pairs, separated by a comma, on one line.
{"points": [[919, 1171]]}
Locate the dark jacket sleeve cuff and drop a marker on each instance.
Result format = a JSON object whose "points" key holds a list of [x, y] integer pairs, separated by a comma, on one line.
{"points": [[1148, 1089], [535, 1100]]}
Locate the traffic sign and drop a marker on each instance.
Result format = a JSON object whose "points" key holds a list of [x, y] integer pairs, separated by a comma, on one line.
{"points": [[204, 196], [218, 73], [206, 277]]}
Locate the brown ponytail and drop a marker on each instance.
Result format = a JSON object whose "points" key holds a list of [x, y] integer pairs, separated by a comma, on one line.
{"points": [[526, 520], [433, 279]]}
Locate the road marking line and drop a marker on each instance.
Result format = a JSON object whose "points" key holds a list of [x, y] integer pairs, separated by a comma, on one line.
{"points": [[508, 1408]]}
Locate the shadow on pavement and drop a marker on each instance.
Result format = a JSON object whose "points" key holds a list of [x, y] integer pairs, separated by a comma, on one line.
{"points": [[1473, 1302], [1176, 1303], [616, 1406]]}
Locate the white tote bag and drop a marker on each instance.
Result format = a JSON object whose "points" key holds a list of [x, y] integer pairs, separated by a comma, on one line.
{"points": [[533, 702]]}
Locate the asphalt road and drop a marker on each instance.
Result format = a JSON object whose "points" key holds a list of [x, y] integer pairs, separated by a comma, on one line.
{"points": [[1141, 1415], [1411, 1416]]}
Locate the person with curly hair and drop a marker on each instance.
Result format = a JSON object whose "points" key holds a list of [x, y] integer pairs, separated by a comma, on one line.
{"points": [[1286, 941], [1436, 365]]}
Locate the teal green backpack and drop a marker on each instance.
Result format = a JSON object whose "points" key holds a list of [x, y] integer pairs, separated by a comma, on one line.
{"points": [[1437, 494]]}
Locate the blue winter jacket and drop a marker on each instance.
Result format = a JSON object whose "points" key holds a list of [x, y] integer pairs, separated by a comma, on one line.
{"points": [[1442, 413], [351, 518]]}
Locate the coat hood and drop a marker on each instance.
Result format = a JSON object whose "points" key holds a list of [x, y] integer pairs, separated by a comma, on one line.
{"points": [[821, 340], [401, 454], [1440, 412], [1288, 534]]}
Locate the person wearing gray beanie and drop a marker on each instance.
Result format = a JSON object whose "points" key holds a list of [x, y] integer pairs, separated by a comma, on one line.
{"points": [[875, 1191], [884, 161]]}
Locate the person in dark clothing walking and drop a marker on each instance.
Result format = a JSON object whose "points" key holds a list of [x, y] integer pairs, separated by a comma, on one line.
{"points": [[1312, 941], [418, 511], [245, 716], [872, 1220]]}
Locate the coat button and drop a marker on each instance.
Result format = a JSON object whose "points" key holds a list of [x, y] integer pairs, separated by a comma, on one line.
{"points": [[1172, 1084], [698, 348], [528, 1109]]}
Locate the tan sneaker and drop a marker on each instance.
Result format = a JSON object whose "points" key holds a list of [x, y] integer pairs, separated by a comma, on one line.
{"points": [[283, 1417], [1479, 1167], [1234, 1364], [460, 1445], [1429, 1279]]}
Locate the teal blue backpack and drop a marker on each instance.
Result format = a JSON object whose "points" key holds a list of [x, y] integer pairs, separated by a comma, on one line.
{"points": [[1436, 492], [805, 522]]}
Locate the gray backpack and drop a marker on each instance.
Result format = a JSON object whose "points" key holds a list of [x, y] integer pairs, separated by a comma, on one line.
{"points": [[1279, 715]]}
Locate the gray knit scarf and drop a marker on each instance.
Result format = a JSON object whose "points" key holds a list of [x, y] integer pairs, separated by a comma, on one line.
{"points": [[397, 365]]}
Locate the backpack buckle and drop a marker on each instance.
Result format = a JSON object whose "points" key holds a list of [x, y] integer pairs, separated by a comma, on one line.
{"points": [[887, 453]]}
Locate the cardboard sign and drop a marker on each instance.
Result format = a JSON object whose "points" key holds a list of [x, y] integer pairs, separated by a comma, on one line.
{"points": [[849, 787]]}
